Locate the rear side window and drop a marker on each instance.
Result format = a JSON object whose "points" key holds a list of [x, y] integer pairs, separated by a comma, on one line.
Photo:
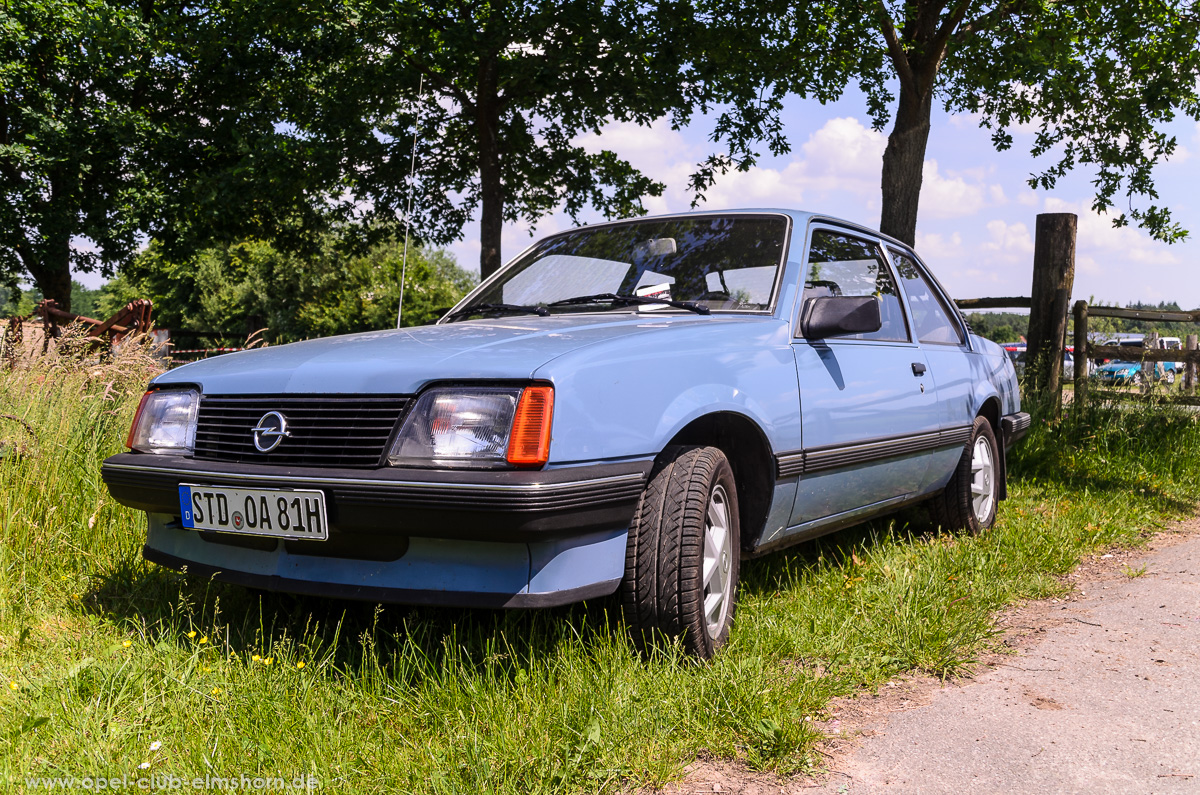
{"points": [[839, 264], [930, 317]]}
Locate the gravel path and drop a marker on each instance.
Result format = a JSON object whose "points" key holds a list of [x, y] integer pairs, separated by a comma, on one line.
{"points": [[1102, 696], [1105, 699]]}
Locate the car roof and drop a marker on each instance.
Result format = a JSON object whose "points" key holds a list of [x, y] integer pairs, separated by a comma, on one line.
{"points": [[800, 218]]}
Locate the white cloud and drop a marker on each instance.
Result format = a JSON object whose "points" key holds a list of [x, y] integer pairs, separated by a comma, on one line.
{"points": [[845, 150], [949, 196], [1028, 198], [1013, 242], [1103, 247], [936, 248], [1180, 156]]}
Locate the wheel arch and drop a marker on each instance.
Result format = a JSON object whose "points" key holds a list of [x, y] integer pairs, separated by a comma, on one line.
{"points": [[991, 411], [746, 446]]}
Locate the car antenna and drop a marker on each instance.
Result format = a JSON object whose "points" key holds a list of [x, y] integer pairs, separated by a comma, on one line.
{"points": [[412, 170]]}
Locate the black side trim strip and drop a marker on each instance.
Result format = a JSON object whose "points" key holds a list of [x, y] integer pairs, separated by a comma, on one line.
{"points": [[368, 593], [820, 459]]}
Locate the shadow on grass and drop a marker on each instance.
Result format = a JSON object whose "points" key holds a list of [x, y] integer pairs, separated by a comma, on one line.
{"points": [[761, 576], [164, 605]]}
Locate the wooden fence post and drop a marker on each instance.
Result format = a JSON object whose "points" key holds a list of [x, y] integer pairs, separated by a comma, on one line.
{"points": [[1189, 367], [1053, 278], [1150, 343], [1082, 359]]}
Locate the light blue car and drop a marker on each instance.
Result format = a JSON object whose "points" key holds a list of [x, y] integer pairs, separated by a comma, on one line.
{"points": [[629, 407]]}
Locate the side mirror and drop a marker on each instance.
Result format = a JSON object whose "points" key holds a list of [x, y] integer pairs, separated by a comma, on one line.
{"points": [[833, 316]]}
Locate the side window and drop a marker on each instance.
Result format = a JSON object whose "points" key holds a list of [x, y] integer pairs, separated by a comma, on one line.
{"points": [[930, 317], [842, 265]]}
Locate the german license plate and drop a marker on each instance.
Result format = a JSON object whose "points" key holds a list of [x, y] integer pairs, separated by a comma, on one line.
{"points": [[283, 513]]}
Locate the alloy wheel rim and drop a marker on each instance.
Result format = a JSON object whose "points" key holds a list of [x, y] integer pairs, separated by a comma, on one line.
{"points": [[983, 479], [718, 562]]}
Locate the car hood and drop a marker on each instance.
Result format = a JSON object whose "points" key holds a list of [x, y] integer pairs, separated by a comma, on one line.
{"points": [[1116, 367], [401, 361]]}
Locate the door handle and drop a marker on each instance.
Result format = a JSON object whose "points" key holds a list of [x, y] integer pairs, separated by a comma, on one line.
{"points": [[918, 369]]}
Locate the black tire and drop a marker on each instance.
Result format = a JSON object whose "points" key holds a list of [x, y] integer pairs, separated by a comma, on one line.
{"points": [[663, 591], [1169, 377], [954, 507]]}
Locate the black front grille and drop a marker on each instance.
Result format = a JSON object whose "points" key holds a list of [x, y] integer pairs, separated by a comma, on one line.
{"points": [[325, 431]]}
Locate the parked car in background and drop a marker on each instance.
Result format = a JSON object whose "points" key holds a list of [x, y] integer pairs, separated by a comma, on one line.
{"points": [[1131, 371], [629, 407], [1017, 354]]}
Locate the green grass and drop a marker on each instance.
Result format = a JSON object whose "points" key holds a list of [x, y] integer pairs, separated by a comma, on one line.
{"points": [[102, 654]]}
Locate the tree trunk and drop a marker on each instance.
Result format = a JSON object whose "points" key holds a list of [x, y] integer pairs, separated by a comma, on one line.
{"points": [[902, 163], [491, 188], [51, 271]]}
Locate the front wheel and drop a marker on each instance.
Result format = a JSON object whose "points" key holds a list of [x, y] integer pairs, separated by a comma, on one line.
{"points": [[970, 498], [682, 559]]}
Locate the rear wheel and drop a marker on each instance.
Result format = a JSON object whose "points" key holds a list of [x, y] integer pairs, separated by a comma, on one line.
{"points": [[970, 498], [682, 559]]}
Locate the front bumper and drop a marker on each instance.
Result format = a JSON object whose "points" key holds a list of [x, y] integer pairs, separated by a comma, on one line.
{"points": [[460, 538], [483, 505], [428, 571], [1014, 427]]}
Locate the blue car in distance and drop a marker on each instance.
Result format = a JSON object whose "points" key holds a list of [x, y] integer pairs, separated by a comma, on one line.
{"points": [[631, 407]]}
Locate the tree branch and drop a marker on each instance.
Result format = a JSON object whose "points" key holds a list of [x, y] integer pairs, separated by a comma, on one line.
{"points": [[986, 22], [895, 49], [942, 40], [445, 85]]}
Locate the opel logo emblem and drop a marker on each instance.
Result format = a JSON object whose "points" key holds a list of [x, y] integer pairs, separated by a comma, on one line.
{"points": [[270, 431]]}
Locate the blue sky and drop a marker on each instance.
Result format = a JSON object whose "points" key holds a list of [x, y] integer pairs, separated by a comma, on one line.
{"points": [[977, 215]]}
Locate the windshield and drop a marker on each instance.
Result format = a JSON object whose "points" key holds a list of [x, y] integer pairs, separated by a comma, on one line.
{"points": [[722, 262]]}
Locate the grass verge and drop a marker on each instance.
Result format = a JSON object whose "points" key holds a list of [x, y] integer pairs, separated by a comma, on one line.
{"points": [[113, 667]]}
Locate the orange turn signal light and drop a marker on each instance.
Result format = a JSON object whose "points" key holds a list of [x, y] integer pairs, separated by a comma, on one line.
{"points": [[137, 417], [529, 444]]}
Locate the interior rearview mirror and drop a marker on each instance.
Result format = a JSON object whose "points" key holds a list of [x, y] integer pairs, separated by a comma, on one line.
{"points": [[836, 315]]}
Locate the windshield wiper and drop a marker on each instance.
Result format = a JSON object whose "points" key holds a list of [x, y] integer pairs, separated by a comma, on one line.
{"points": [[616, 298], [514, 309]]}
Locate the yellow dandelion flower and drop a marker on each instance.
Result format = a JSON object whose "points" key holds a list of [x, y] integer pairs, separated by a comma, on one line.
{"points": [[204, 639], [127, 643], [207, 669], [14, 685], [192, 634], [300, 664], [256, 658], [269, 660], [216, 691]]}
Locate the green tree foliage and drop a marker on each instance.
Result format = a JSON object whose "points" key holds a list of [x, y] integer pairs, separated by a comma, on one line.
{"points": [[236, 289], [508, 89], [1096, 80], [124, 118], [999, 326], [84, 301], [72, 76]]}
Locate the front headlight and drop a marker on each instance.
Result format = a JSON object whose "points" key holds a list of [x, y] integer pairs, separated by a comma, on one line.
{"points": [[165, 422], [477, 427]]}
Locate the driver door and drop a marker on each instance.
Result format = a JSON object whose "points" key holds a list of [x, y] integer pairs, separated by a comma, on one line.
{"points": [[868, 406]]}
